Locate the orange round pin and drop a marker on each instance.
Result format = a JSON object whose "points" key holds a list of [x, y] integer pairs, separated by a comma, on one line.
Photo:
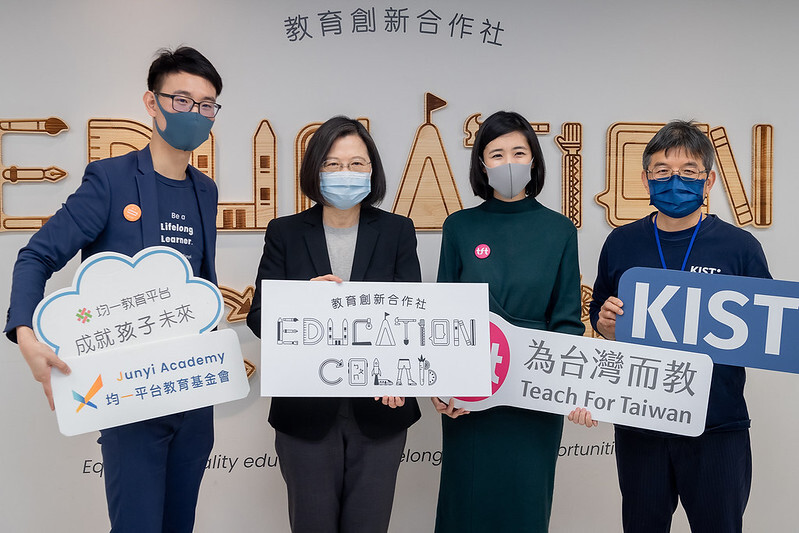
{"points": [[132, 212]]}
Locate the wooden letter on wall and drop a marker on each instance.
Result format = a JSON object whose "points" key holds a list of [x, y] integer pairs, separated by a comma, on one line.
{"points": [[114, 137], [427, 192], [12, 175], [758, 213], [585, 302], [570, 142], [473, 123], [255, 214], [239, 302], [625, 199], [110, 137], [762, 173]]}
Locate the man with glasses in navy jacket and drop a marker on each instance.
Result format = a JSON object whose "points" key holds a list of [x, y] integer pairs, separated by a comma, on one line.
{"points": [[152, 469]]}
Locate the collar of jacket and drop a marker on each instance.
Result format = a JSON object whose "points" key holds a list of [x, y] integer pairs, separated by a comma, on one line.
{"points": [[368, 235]]}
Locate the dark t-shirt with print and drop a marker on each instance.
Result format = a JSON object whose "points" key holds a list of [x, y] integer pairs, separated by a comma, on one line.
{"points": [[179, 219]]}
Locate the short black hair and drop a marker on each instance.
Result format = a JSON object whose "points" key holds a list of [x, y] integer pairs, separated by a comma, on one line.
{"points": [[318, 148], [184, 59], [497, 125], [681, 134]]}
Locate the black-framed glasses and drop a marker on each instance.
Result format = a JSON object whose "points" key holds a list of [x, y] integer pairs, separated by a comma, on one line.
{"points": [[356, 165], [184, 104], [685, 174]]}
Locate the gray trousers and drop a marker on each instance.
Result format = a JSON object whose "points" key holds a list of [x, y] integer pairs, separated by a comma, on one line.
{"points": [[343, 483]]}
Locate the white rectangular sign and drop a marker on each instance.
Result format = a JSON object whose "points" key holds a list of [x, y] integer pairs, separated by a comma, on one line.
{"points": [[320, 338], [124, 385], [634, 385]]}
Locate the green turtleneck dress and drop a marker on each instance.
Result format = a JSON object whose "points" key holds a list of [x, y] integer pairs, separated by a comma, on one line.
{"points": [[498, 465]]}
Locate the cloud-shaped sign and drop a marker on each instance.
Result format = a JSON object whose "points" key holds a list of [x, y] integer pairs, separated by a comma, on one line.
{"points": [[117, 301]]}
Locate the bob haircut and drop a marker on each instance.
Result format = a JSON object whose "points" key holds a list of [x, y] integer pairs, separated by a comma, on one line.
{"points": [[318, 148], [184, 59], [497, 125], [681, 135]]}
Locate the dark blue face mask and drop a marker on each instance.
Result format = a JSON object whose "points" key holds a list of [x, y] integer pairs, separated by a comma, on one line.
{"points": [[184, 131], [676, 197]]}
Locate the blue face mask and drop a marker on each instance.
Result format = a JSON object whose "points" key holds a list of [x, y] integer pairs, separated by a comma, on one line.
{"points": [[675, 197], [184, 131], [345, 189]]}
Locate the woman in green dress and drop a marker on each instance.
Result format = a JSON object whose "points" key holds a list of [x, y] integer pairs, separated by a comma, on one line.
{"points": [[498, 465]]}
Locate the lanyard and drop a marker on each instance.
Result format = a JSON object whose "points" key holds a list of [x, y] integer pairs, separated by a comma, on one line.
{"points": [[690, 245]]}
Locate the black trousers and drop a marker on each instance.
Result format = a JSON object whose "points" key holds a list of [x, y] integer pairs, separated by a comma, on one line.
{"points": [[711, 474], [343, 483]]}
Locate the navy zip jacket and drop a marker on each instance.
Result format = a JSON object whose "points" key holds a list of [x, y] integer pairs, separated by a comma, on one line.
{"points": [[719, 248]]}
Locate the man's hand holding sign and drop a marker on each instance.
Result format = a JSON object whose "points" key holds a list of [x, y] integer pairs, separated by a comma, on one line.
{"points": [[41, 359], [606, 324]]}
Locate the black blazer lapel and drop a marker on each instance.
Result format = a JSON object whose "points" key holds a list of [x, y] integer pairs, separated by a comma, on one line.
{"points": [[314, 235], [365, 245]]}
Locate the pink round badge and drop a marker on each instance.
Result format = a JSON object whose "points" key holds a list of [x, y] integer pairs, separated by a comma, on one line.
{"points": [[482, 251]]}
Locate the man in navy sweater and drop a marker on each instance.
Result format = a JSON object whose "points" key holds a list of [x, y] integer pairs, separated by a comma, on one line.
{"points": [[711, 474]]}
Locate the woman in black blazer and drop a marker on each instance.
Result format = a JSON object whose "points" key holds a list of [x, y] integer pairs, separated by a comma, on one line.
{"points": [[340, 456]]}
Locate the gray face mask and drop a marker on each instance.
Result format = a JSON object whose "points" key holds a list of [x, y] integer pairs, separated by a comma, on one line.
{"points": [[509, 179]]}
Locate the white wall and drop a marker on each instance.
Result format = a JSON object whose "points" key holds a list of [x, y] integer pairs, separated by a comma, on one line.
{"points": [[723, 63]]}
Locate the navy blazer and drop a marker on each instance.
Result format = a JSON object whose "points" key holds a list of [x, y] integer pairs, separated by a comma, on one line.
{"points": [[91, 220], [295, 249]]}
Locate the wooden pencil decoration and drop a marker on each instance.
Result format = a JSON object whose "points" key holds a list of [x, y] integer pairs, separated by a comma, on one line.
{"points": [[625, 199], [12, 175], [733, 183], [762, 174]]}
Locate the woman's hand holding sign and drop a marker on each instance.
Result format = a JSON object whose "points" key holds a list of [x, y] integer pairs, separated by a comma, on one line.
{"points": [[582, 417], [328, 277], [392, 401], [448, 409]]}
